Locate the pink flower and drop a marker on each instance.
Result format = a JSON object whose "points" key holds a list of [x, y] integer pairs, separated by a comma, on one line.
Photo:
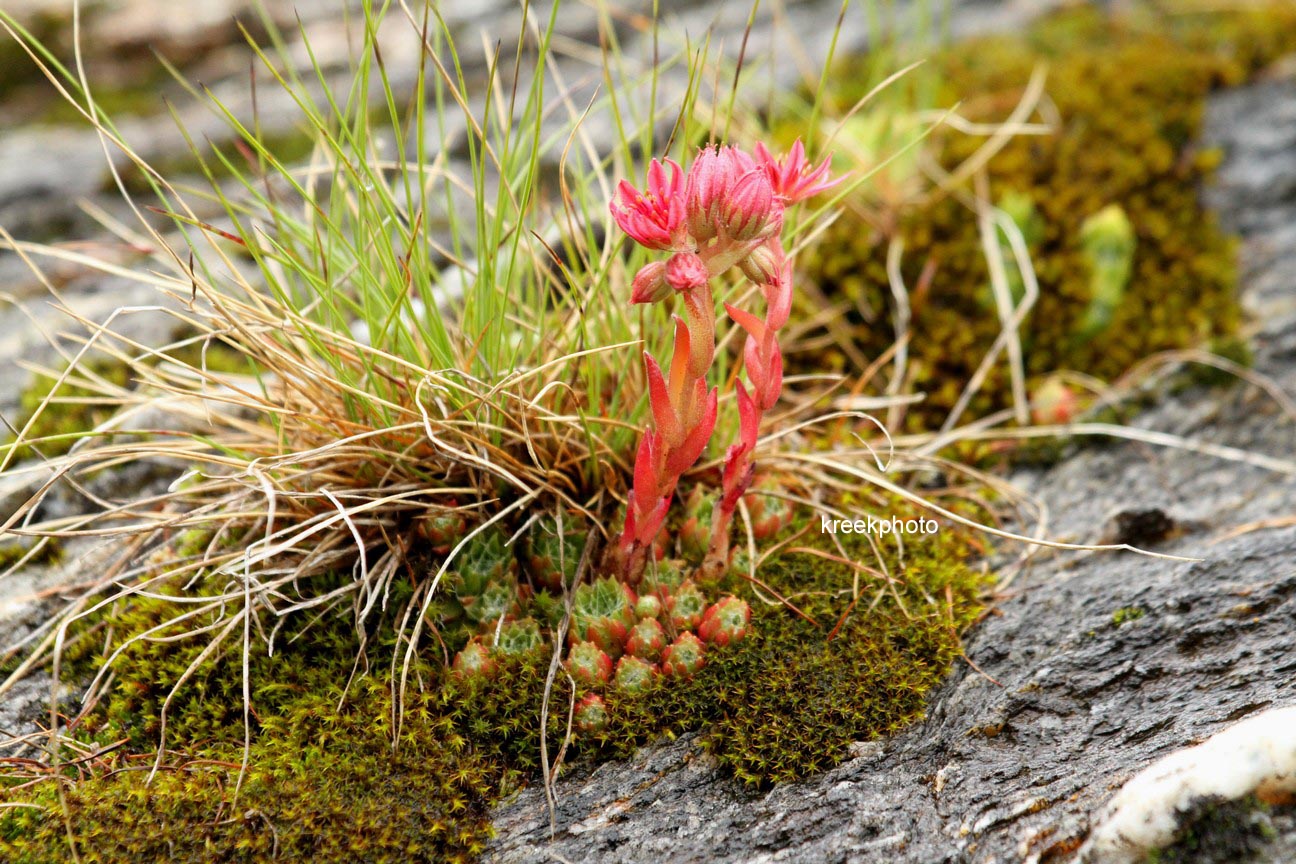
{"points": [[654, 219], [793, 177]]}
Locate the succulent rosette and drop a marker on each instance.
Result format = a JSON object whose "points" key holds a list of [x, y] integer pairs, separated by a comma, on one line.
{"points": [[646, 640], [683, 657], [589, 664], [603, 613], [591, 713], [725, 621], [473, 661], [634, 674]]}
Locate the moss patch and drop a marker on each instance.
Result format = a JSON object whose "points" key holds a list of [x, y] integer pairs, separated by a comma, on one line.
{"points": [[82, 402], [1126, 614], [324, 782], [1130, 95], [1221, 832], [74, 407]]}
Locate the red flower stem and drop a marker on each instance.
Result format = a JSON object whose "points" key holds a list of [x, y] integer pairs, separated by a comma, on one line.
{"points": [[740, 463], [684, 415]]}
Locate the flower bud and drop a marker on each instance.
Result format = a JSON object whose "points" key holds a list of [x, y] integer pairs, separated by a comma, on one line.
{"points": [[765, 263], [708, 178], [745, 211], [648, 606], [685, 271], [650, 284]]}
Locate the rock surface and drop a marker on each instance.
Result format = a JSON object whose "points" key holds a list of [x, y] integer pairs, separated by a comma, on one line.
{"points": [[1073, 698]]}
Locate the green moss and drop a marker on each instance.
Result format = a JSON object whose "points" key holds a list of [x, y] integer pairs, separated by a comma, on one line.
{"points": [[80, 403], [1220, 832], [1131, 97], [75, 407], [51, 552], [1126, 614], [323, 782]]}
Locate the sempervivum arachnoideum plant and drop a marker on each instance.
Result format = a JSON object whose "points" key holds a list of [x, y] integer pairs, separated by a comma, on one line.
{"points": [[484, 581], [519, 637], [695, 531], [443, 530], [474, 661], [589, 664], [725, 213], [603, 613], [685, 606], [553, 555], [769, 513], [634, 674], [647, 639], [634, 623], [683, 657], [591, 713], [726, 621]]}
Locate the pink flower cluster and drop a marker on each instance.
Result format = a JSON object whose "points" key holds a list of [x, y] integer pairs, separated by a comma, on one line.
{"points": [[726, 212]]}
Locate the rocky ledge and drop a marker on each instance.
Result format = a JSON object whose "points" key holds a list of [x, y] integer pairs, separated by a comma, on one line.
{"points": [[1091, 666]]}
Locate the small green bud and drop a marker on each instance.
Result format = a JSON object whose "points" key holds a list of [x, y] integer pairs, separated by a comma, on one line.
{"points": [[648, 606]]}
